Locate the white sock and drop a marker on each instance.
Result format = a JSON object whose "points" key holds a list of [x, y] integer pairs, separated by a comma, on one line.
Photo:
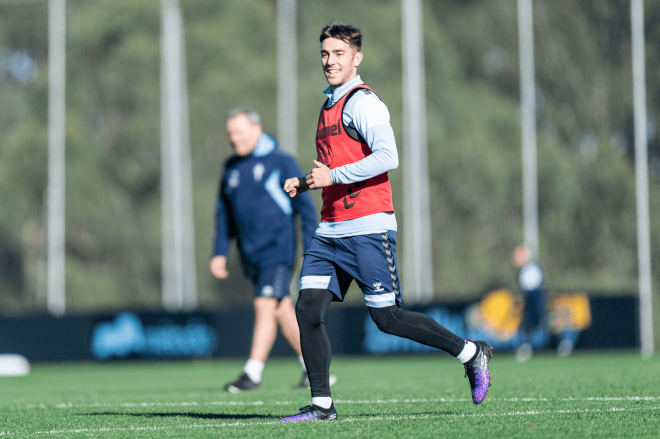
{"points": [[253, 369], [322, 401], [468, 352], [302, 362]]}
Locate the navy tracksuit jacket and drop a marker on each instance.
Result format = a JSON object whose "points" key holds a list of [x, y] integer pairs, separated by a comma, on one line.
{"points": [[253, 208]]}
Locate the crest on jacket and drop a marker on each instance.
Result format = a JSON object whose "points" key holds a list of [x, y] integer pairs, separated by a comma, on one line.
{"points": [[258, 171]]}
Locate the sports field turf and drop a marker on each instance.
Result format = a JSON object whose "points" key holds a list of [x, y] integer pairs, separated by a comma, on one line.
{"points": [[597, 394]]}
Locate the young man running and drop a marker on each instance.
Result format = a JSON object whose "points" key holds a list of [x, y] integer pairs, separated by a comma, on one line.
{"points": [[356, 238]]}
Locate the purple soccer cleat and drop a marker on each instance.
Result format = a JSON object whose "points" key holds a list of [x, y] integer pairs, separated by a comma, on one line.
{"points": [[313, 413], [478, 372]]}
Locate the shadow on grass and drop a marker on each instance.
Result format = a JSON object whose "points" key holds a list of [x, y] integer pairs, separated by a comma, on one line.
{"points": [[394, 415], [181, 415]]}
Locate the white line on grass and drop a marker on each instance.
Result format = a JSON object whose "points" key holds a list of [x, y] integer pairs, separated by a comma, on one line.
{"points": [[339, 401], [373, 418], [398, 401], [142, 404]]}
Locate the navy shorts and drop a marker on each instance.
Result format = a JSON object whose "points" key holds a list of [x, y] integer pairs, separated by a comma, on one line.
{"points": [[333, 263], [270, 281]]}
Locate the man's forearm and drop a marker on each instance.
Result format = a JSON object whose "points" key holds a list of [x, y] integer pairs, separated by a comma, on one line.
{"points": [[379, 162]]}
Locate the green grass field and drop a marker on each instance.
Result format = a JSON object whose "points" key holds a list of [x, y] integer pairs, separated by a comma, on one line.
{"points": [[597, 394]]}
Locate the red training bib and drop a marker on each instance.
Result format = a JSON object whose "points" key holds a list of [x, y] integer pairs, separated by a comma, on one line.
{"points": [[334, 148]]}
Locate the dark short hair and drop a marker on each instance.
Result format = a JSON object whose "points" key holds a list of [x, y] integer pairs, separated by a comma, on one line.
{"points": [[348, 34]]}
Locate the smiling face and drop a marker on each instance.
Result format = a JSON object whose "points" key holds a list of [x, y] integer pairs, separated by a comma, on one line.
{"points": [[243, 134], [340, 61]]}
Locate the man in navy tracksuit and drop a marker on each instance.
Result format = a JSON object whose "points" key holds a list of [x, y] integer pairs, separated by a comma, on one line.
{"points": [[253, 209]]}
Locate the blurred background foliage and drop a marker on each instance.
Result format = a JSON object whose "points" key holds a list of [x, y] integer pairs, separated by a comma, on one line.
{"points": [[584, 117]]}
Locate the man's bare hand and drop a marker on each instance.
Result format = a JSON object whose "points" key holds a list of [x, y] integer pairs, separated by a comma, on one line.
{"points": [[291, 186], [219, 267], [319, 177]]}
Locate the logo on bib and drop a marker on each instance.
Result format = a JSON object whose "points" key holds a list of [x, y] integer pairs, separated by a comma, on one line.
{"points": [[324, 153]]}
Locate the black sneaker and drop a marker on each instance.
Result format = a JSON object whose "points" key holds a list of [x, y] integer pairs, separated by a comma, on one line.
{"points": [[477, 371], [313, 413], [242, 384], [304, 381]]}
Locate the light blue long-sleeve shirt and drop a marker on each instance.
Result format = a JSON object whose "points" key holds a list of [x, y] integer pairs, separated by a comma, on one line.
{"points": [[366, 113]]}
